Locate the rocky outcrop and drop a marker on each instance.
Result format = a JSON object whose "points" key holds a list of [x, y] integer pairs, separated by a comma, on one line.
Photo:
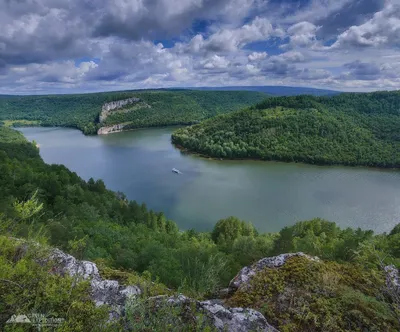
{"points": [[245, 274], [111, 293], [393, 280], [108, 292], [217, 315], [111, 129], [109, 107]]}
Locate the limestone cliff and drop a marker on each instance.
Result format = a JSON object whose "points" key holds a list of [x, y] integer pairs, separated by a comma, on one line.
{"points": [[110, 129], [114, 105]]}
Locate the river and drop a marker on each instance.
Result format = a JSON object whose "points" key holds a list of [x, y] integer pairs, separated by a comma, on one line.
{"points": [[271, 195]]}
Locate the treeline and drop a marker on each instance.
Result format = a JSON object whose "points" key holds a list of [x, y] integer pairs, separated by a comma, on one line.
{"points": [[82, 111], [347, 129]]}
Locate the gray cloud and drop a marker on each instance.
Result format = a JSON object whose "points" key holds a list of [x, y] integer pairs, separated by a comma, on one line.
{"points": [[351, 13], [363, 70], [382, 29], [302, 34], [370, 71], [163, 18], [230, 40], [50, 45], [40, 31]]}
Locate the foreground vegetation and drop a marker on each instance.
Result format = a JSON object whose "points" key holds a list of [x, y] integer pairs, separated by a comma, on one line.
{"points": [[82, 111], [91, 222], [306, 295], [349, 129]]}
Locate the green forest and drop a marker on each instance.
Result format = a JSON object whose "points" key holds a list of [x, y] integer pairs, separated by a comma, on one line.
{"points": [[348, 129], [51, 205], [167, 107]]}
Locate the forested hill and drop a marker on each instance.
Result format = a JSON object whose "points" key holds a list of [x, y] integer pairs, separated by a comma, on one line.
{"points": [[348, 129], [160, 108]]}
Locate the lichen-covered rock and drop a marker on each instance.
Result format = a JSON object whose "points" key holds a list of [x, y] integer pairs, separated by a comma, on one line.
{"points": [[248, 272], [67, 264], [393, 279], [218, 316], [108, 292]]}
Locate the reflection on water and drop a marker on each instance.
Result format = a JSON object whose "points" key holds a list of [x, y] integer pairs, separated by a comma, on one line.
{"points": [[270, 195]]}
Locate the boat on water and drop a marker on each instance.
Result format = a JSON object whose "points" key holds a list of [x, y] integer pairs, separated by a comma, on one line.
{"points": [[176, 171]]}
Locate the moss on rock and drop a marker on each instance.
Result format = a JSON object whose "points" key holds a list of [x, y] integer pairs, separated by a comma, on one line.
{"points": [[306, 295]]}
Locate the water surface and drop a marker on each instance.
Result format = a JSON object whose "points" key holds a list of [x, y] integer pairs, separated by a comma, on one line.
{"points": [[271, 195]]}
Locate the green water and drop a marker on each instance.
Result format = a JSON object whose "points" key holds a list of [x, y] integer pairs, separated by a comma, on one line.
{"points": [[270, 195]]}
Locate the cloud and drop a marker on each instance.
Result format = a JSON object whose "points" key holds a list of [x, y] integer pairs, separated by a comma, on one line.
{"points": [[164, 18], [363, 70], [32, 32], [86, 45], [302, 34], [215, 62], [255, 56], [230, 40], [308, 74], [370, 71], [291, 56], [349, 14], [383, 29]]}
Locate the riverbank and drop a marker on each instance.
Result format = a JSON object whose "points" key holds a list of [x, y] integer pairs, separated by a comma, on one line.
{"points": [[187, 151]]}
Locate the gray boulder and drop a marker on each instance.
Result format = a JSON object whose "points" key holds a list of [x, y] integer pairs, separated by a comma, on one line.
{"points": [[108, 292]]}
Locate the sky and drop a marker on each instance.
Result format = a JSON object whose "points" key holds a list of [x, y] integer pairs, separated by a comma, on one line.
{"points": [[66, 46]]}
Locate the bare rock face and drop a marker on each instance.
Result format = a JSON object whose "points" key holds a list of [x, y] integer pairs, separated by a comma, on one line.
{"points": [[245, 274], [108, 107], [220, 317]]}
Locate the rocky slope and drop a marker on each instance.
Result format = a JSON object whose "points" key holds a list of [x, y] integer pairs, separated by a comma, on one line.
{"points": [[284, 288], [289, 292], [116, 296]]}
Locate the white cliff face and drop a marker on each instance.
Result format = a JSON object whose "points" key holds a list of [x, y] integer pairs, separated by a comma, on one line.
{"points": [[245, 274], [108, 107], [111, 129]]}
